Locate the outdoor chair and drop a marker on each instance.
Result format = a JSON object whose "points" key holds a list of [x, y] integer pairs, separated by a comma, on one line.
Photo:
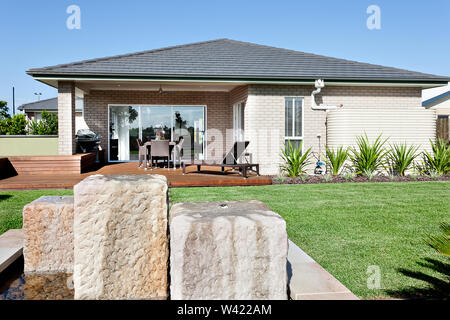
{"points": [[159, 149], [230, 160], [143, 153], [178, 152]]}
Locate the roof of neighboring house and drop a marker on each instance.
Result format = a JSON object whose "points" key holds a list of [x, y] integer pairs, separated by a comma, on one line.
{"points": [[438, 97], [230, 59], [47, 104]]}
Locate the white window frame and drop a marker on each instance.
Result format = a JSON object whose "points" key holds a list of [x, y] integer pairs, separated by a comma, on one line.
{"points": [[299, 138]]}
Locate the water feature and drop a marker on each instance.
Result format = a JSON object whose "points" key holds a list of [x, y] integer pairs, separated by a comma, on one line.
{"points": [[15, 285]]}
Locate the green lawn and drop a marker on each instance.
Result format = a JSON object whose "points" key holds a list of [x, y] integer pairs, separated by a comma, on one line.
{"points": [[344, 227], [348, 227], [12, 202]]}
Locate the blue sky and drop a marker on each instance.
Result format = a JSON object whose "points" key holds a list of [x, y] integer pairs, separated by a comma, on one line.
{"points": [[414, 35]]}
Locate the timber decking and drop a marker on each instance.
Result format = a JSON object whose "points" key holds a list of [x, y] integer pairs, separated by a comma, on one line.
{"points": [[52, 165], [212, 177]]}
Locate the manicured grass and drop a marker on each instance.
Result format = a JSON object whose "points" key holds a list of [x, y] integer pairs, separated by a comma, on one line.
{"points": [[344, 227], [12, 202], [349, 227]]}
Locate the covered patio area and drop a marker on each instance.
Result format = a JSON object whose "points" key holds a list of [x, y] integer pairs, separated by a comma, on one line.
{"points": [[212, 176]]}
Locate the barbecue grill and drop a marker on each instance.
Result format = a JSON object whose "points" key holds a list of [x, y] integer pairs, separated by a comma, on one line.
{"points": [[88, 141]]}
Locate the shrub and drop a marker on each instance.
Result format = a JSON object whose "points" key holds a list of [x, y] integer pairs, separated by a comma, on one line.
{"points": [[369, 174], [304, 177], [439, 160], [281, 178], [13, 126], [348, 175], [336, 159], [400, 158], [47, 126], [294, 161], [368, 157]]}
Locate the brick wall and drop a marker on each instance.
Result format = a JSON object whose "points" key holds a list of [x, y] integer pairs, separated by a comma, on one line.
{"points": [[219, 114], [264, 114]]}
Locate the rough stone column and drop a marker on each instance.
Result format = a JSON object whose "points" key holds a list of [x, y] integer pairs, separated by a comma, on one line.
{"points": [[66, 118], [227, 250], [120, 237], [48, 231]]}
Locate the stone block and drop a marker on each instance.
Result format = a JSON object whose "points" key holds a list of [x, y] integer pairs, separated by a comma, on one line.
{"points": [[48, 232], [120, 237], [227, 250]]}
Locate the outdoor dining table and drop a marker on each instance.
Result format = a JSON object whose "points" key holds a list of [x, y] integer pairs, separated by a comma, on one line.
{"points": [[172, 144]]}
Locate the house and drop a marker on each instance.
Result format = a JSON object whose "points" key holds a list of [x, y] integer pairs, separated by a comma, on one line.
{"points": [[33, 110], [438, 99], [217, 92]]}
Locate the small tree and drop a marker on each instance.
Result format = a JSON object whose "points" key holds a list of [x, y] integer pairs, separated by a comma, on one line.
{"points": [[14, 126], [4, 110]]}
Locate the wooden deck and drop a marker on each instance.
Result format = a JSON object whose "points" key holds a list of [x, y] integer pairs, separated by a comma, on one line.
{"points": [[212, 177], [51, 165]]}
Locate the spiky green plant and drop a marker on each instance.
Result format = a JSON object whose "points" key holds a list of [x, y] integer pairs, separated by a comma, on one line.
{"points": [[368, 157], [401, 157], [439, 159], [348, 175], [295, 161], [336, 159], [441, 243], [304, 177], [369, 174]]}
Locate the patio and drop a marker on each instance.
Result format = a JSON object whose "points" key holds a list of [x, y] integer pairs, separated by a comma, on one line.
{"points": [[210, 176]]}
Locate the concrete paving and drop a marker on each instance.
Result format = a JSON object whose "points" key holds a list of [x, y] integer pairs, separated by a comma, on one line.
{"points": [[309, 281], [11, 247]]}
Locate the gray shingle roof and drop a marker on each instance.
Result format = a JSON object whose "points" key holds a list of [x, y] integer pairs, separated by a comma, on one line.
{"points": [[47, 104], [226, 58]]}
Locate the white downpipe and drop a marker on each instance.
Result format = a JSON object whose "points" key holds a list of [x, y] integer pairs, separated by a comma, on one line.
{"points": [[319, 84]]}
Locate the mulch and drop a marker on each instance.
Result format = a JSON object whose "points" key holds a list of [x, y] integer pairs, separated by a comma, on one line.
{"points": [[314, 179]]}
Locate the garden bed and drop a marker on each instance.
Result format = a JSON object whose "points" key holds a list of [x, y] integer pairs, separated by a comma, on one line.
{"points": [[314, 179]]}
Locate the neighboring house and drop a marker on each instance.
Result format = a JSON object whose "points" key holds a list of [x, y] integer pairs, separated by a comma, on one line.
{"points": [[438, 99], [33, 110], [223, 90]]}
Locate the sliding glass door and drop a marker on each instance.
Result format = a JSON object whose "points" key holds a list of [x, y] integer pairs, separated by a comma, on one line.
{"points": [[127, 123]]}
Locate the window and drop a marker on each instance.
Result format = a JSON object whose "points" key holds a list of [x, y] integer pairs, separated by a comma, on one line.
{"points": [[293, 121]]}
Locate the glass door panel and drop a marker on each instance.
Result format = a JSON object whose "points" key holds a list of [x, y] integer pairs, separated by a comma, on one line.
{"points": [[189, 123], [124, 130], [156, 123]]}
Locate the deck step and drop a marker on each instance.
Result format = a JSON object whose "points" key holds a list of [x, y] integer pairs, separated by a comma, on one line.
{"points": [[11, 247]]}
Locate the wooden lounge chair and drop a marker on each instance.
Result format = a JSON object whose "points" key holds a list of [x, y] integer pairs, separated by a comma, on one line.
{"points": [[230, 160]]}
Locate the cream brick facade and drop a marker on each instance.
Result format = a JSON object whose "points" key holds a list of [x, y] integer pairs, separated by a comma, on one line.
{"points": [[263, 116]]}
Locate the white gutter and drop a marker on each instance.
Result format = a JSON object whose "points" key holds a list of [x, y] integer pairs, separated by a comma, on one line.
{"points": [[319, 84]]}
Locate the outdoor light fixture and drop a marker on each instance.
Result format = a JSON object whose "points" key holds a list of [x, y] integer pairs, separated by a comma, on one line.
{"points": [[160, 91]]}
